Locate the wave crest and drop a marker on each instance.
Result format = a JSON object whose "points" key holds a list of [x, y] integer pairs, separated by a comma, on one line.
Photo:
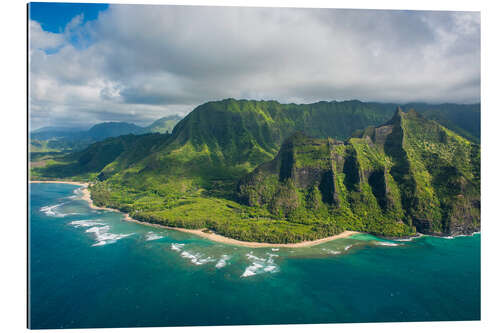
{"points": [[260, 265]]}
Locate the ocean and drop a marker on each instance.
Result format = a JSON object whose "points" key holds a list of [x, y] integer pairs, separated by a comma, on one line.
{"points": [[91, 269]]}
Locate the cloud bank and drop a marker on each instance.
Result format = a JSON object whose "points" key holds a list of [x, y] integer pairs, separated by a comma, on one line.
{"points": [[139, 63]]}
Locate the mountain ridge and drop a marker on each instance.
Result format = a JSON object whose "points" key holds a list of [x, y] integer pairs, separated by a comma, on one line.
{"points": [[54, 139], [382, 175], [188, 178]]}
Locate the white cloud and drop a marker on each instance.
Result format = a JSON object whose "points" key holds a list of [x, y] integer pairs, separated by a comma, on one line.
{"points": [[142, 62], [41, 39]]}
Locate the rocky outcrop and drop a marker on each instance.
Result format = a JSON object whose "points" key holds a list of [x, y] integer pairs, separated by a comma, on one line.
{"points": [[407, 175]]}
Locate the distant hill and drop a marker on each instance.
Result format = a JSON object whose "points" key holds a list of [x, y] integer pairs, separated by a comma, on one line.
{"points": [[465, 119], [110, 129], [55, 139], [189, 178], [64, 139], [164, 125], [58, 129]]}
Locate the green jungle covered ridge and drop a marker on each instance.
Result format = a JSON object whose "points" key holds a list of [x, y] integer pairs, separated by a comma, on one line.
{"points": [[282, 173]]}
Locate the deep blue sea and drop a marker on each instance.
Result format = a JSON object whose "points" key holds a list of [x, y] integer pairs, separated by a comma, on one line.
{"points": [[90, 268]]}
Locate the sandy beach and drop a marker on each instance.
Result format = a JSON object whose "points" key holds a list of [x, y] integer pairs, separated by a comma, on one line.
{"points": [[60, 182], [226, 240], [200, 232]]}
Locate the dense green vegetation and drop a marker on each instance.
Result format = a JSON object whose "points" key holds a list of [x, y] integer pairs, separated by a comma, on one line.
{"points": [[460, 118], [406, 175], [237, 168]]}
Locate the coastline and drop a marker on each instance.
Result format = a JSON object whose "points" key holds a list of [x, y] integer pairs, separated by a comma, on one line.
{"points": [[231, 241], [60, 182], [199, 232]]}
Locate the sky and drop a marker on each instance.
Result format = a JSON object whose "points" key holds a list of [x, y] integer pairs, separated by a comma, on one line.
{"points": [[90, 63]]}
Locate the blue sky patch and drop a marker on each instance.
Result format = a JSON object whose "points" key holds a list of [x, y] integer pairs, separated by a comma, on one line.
{"points": [[54, 16]]}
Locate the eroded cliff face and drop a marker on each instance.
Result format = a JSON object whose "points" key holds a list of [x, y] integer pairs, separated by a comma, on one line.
{"points": [[407, 175]]}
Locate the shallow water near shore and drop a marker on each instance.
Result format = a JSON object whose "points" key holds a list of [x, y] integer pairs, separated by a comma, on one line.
{"points": [[91, 268]]}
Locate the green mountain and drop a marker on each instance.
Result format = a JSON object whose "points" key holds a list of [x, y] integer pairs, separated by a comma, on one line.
{"points": [[60, 129], [99, 158], [57, 139], [408, 174], [197, 177], [164, 125], [464, 119], [111, 129]]}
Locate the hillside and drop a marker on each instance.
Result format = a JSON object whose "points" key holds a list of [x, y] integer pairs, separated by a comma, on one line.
{"points": [[58, 139], [163, 125], [408, 174], [189, 178], [94, 161], [460, 118]]}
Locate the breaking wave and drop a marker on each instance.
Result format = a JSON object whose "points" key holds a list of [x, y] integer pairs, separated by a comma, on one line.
{"points": [[334, 252], [222, 261], [457, 236], [196, 258], [51, 210], [387, 244], [447, 237], [86, 223], [151, 236], [260, 265], [103, 236], [177, 246], [100, 231], [77, 194], [409, 239]]}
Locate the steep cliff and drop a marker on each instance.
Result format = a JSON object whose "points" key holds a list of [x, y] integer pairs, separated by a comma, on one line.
{"points": [[410, 174]]}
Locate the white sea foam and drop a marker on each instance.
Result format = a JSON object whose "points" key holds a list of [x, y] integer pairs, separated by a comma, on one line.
{"points": [[408, 239], [332, 251], [151, 236], [86, 223], [76, 194], [103, 236], [196, 258], [456, 236], [405, 239], [222, 261], [270, 268], [177, 246], [387, 244], [51, 210], [347, 247], [251, 270], [260, 265]]}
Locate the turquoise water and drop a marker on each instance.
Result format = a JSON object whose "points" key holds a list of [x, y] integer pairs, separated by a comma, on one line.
{"points": [[90, 268]]}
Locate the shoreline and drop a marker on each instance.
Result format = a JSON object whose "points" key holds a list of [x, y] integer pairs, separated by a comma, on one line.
{"points": [[199, 232], [59, 182], [223, 239]]}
